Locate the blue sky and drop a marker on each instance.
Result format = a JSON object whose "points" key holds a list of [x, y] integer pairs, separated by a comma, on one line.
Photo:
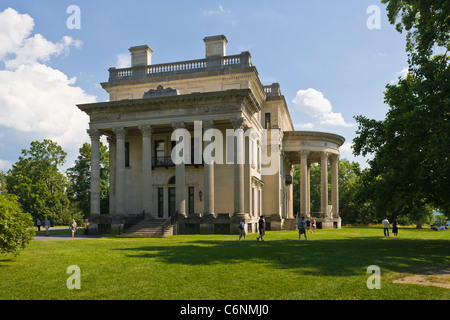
{"points": [[329, 64]]}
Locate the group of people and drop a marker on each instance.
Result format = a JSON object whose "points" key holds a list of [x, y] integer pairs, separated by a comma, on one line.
{"points": [[73, 226], [303, 228], [261, 228], [46, 224], [395, 226]]}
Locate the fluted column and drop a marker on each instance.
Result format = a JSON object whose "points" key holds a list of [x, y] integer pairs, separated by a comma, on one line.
{"points": [[147, 174], [304, 183], [324, 184], [180, 177], [120, 169], [95, 170], [334, 160], [238, 170], [208, 172], [308, 190], [112, 174]]}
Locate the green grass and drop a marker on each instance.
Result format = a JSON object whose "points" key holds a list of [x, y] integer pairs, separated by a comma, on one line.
{"points": [[332, 265]]}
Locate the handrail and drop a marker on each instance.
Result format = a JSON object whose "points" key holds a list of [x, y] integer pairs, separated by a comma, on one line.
{"points": [[169, 222]]}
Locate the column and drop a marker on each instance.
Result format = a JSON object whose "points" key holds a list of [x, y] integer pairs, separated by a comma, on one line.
{"points": [[324, 184], [208, 173], [238, 169], [95, 170], [303, 183], [180, 176], [120, 169], [334, 160], [112, 175], [147, 174], [308, 190]]}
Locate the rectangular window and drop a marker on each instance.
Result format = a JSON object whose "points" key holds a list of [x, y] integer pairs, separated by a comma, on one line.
{"points": [[160, 202], [267, 121], [191, 200], [127, 154], [253, 201], [171, 201], [159, 152]]}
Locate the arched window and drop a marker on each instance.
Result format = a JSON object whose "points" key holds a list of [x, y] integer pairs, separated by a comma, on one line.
{"points": [[172, 180]]}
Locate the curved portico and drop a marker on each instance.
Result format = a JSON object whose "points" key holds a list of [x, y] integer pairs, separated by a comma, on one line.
{"points": [[305, 148]]}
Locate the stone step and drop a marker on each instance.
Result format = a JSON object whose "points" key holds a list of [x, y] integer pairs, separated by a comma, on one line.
{"points": [[147, 228]]}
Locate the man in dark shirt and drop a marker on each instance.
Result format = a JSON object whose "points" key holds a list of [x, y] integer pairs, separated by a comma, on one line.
{"points": [[261, 225], [301, 228]]}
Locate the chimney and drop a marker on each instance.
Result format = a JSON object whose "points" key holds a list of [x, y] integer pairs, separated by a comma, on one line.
{"points": [[215, 46], [141, 56]]}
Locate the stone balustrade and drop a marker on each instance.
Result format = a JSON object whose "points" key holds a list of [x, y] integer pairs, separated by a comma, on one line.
{"points": [[234, 61]]}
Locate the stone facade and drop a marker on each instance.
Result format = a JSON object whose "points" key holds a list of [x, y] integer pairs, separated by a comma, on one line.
{"points": [[206, 98]]}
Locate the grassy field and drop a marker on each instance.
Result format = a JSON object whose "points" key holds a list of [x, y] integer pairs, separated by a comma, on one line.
{"points": [[333, 265]]}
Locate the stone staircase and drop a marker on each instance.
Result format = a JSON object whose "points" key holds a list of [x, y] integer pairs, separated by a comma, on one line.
{"points": [[149, 228]]}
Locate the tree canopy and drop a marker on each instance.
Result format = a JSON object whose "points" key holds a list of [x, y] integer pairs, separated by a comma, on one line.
{"points": [[410, 167]]}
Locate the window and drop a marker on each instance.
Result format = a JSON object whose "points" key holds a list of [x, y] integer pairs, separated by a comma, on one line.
{"points": [[159, 152], [127, 154], [171, 201], [267, 121], [160, 202], [191, 200]]}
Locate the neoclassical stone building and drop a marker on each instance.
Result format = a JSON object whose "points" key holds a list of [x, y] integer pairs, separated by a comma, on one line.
{"points": [[148, 103]]}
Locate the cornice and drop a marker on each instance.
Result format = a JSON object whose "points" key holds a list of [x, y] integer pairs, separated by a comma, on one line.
{"points": [[208, 102]]}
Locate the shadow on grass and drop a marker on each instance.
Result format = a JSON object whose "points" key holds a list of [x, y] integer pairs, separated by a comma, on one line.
{"points": [[321, 257]]}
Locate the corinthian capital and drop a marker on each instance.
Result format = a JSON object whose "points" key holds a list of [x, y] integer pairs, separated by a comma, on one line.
{"points": [[120, 132], [207, 124], [238, 123], [178, 125], [95, 134], [146, 130], [304, 154]]}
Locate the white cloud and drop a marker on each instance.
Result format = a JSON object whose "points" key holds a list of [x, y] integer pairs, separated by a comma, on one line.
{"points": [[346, 148], [123, 60], [304, 126], [314, 104], [220, 10], [5, 165], [34, 97], [14, 28], [401, 74]]}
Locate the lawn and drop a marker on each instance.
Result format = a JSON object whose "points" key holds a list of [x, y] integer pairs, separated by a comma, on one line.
{"points": [[333, 265]]}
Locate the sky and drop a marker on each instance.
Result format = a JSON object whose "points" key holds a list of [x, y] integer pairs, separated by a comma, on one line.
{"points": [[332, 59]]}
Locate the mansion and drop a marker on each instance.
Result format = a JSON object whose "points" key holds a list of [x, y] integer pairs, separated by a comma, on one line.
{"points": [[214, 108]]}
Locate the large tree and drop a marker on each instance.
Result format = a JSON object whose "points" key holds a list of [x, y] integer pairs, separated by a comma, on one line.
{"points": [[36, 181], [409, 170]]}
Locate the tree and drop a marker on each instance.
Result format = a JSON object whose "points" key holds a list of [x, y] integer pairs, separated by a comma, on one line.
{"points": [[409, 170], [2, 182], [38, 184], [80, 178], [16, 227]]}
